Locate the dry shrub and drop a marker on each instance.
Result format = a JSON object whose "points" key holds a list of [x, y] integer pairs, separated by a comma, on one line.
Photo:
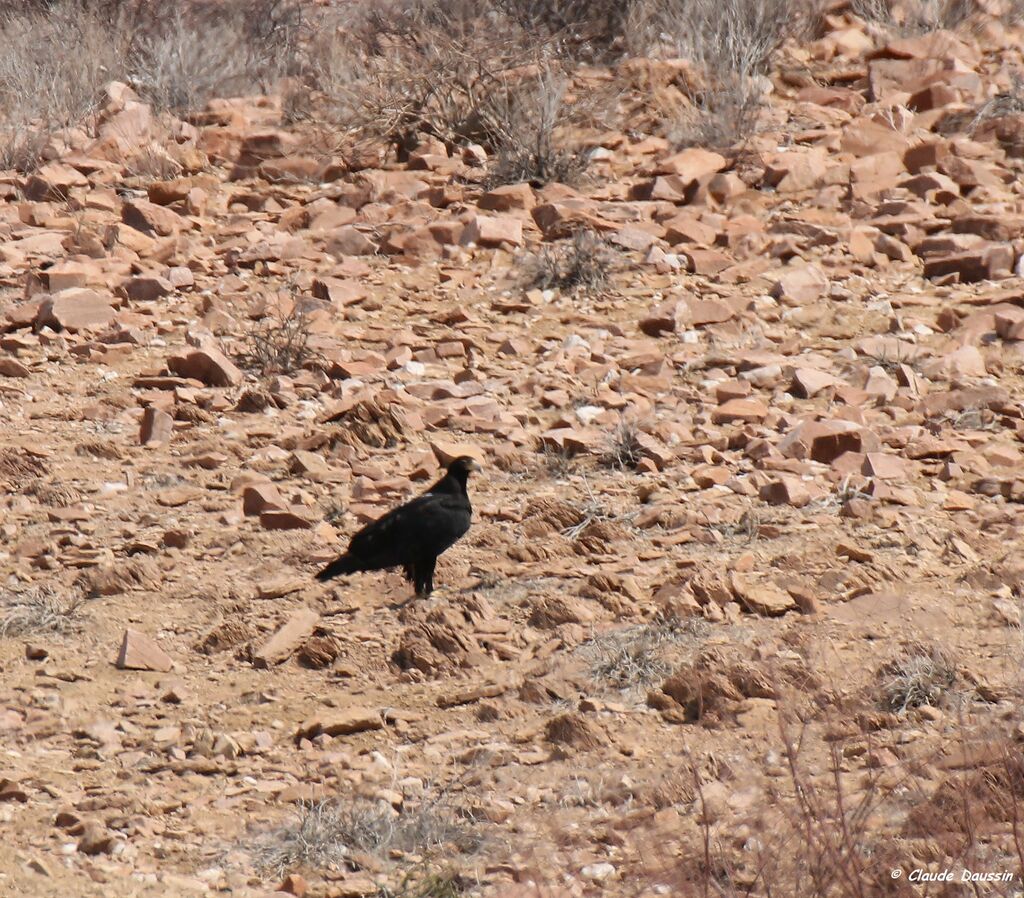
{"points": [[43, 87], [721, 117], [735, 36], [37, 609], [460, 72], [582, 265], [279, 343], [973, 819], [822, 833], [821, 841], [318, 839], [56, 58], [1013, 12], [106, 11], [183, 57], [909, 17], [732, 43], [328, 833], [915, 17], [582, 29], [491, 72], [421, 69], [524, 123], [921, 675]]}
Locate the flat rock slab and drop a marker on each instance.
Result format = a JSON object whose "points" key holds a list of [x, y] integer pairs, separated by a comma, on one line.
{"points": [[140, 652], [762, 597], [472, 694], [341, 723], [13, 368], [76, 309], [210, 366], [446, 451], [287, 639]]}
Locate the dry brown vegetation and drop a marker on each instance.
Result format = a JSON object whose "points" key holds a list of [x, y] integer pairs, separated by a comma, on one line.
{"points": [[279, 343], [37, 611], [58, 57], [582, 265], [488, 72]]}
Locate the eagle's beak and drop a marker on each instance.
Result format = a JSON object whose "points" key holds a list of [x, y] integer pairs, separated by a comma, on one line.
{"points": [[474, 465]]}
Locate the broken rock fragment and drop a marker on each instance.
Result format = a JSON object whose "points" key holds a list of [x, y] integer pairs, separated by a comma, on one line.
{"points": [[75, 309], [786, 490], [801, 285], [148, 289], [493, 230], [343, 722], [287, 639], [140, 652], [152, 219], [823, 441], [986, 264], [208, 365], [157, 426], [762, 597], [260, 497], [571, 729], [13, 368], [809, 382]]}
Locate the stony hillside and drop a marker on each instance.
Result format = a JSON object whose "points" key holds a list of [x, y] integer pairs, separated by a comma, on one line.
{"points": [[739, 613]]}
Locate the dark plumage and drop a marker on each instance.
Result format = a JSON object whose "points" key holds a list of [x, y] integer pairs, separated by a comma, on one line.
{"points": [[413, 535]]}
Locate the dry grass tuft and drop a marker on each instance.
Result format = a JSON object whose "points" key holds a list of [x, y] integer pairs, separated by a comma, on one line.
{"points": [[279, 343], [911, 17], [629, 658], [44, 89], [327, 833], [623, 446], [731, 43], [921, 676], [559, 463], [38, 609], [1005, 103], [583, 265], [177, 56], [637, 656], [318, 839], [590, 511], [416, 884]]}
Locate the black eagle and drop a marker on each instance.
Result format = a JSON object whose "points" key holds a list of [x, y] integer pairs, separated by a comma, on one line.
{"points": [[413, 535]]}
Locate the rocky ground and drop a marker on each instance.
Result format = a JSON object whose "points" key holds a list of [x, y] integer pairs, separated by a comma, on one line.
{"points": [[740, 607]]}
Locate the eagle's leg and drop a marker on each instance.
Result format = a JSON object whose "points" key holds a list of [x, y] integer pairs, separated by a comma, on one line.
{"points": [[425, 577]]}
